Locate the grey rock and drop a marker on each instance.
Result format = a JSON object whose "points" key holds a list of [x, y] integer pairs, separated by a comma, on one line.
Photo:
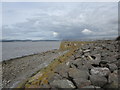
{"points": [[103, 63], [106, 53], [76, 73], [85, 51], [95, 62], [91, 86], [76, 56], [77, 62], [62, 84], [109, 59], [100, 71], [113, 80], [73, 65], [98, 80], [111, 85], [97, 57], [94, 52], [112, 67], [84, 67], [55, 77], [86, 54], [62, 70], [80, 82]]}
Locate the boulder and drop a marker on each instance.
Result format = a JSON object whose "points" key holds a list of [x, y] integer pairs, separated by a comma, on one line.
{"points": [[109, 59], [97, 57], [94, 52], [112, 67], [62, 70], [55, 77], [100, 71], [77, 62], [76, 73], [80, 82], [103, 63], [62, 84], [84, 67], [113, 80], [94, 59], [98, 80]]}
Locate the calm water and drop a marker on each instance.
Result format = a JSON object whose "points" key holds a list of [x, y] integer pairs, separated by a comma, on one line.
{"points": [[18, 49]]}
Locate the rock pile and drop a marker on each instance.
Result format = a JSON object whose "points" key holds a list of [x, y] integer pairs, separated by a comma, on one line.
{"points": [[94, 65]]}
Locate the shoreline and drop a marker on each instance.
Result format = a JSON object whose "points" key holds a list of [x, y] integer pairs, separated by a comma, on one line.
{"points": [[94, 65], [55, 65], [19, 69], [12, 50]]}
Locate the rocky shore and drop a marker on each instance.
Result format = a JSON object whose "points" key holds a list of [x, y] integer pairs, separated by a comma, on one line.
{"points": [[20, 69], [93, 65]]}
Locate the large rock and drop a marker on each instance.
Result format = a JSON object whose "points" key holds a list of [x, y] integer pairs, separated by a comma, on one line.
{"points": [[103, 63], [109, 59], [113, 80], [94, 59], [97, 57], [94, 52], [98, 80], [55, 77], [84, 67], [112, 67], [80, 82], [77, 62], [62, 70], [76, 73], [81, 64], [100, 71], [62, 84]]}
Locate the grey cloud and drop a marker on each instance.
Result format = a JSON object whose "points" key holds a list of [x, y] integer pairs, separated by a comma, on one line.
{"points": [[68, 21]]}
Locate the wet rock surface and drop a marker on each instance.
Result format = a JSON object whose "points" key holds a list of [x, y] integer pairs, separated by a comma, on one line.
{"points": [[95, 65]]}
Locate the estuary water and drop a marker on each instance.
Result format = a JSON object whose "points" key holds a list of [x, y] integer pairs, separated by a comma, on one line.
{"points": [[17, 49]]}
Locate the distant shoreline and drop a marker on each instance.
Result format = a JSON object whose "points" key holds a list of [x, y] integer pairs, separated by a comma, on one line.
{"points": [[26, 40]]}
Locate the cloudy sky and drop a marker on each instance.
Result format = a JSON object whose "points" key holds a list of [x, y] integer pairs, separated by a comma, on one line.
{"points": [[53, 21]]}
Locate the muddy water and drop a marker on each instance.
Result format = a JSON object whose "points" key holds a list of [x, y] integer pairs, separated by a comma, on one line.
{"points": [[17, 49]]}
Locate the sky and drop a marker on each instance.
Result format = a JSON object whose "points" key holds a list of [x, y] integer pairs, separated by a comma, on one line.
{"points": [[59, 21]]}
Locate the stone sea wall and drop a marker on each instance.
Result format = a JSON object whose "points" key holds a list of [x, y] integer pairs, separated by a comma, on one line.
{"points": [[85, 65]]}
